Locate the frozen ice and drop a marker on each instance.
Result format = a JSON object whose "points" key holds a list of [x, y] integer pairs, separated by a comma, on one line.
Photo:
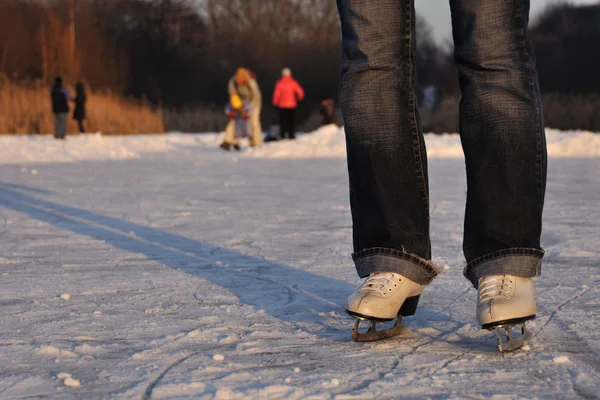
{"points": [[179, 253]]}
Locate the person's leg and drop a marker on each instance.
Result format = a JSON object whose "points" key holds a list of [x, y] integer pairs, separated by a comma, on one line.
{"points": [[81, 127], [288, 123], [292, 123], [387, 165], [256, 136], [56, 126], [62, 124], [502, 134], [229, 133], [283, 123]]}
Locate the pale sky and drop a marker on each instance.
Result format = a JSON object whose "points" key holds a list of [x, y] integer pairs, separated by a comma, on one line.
{"points": [[437, 14]]}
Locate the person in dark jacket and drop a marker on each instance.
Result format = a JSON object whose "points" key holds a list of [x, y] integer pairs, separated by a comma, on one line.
{"points": [[80, 100], [60, 108]]}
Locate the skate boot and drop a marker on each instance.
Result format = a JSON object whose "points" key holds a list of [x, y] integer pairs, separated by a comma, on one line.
{"points": [[382, 297], [506, 301], [225, 146]]}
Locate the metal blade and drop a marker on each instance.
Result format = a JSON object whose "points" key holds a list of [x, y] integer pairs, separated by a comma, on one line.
{"points": [[372, 334], [511, 343]]}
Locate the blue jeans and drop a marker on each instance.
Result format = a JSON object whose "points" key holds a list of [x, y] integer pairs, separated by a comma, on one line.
{"points": [[501, 130]]}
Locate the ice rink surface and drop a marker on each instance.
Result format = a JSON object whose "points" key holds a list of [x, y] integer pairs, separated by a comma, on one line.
{"points": [[193, 273]]}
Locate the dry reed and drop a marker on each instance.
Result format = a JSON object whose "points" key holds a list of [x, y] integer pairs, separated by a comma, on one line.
{"points": [[26, 109]]}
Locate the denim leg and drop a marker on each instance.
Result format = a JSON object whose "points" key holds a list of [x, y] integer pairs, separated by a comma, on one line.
{"points": [[386, 154], [502, 134]]}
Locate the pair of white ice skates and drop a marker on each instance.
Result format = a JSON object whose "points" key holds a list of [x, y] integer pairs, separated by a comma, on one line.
{"points": [[504, 301]]}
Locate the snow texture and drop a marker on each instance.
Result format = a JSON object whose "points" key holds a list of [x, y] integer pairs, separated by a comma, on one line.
{"points": [[327, 142], [194, 273]]}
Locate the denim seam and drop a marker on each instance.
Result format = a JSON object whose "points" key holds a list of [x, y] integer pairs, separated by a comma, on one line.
{"points": [[512, 252], [529, 62], [412, 105], [540, 173], [383, 251]]}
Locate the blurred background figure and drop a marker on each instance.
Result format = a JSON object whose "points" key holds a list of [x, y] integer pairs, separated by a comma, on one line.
{"points": [[327, 112], [239, 112], [79, 100], [274, 131], [60, 108], [160, 65], [286, 96], [244, 85]]}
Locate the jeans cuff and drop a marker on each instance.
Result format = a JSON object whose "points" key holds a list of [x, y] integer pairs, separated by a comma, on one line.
{"points": [[380, 259], [517, 261]]}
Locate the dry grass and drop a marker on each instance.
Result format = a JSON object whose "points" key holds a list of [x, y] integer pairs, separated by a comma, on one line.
{"points": [[195, 119], [26, 109]]}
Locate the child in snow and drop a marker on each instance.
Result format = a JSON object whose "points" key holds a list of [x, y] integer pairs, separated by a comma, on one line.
{"points": [[240, 112], [273, 134]]}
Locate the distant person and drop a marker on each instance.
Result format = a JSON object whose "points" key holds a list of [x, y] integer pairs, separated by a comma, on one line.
{"points": [[60, 108], [327, 112], [239, 112], [80, 100], [273, 132], [244, 85], [286, 96]]}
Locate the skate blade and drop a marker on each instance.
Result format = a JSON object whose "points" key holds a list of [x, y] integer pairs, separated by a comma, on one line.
{"points": [[507, 342], [373, 335]]}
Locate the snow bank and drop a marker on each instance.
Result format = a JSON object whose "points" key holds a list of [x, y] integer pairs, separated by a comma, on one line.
{"points": [[18, 149], [327, 142]]}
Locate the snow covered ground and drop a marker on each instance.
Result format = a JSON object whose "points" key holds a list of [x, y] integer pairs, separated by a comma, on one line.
{"points": [[160, 267], [327, 142]]}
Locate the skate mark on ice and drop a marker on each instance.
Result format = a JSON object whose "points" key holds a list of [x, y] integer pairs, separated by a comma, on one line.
{"points": [[446, 363], [554, 313], [460, 296], [176, 362], [567, 340], [414, 335], [307, 356], [270, 283], [4, 224], [158, 377]]}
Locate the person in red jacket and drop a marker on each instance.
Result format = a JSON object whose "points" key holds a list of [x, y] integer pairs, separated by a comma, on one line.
{"points": [[288, 93]]}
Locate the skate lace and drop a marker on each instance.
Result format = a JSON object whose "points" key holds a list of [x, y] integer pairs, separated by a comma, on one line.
{"points": [[380, 282], [494, 286]]}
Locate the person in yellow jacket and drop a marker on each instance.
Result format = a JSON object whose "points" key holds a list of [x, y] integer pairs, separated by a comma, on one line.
{"points": [[240, 112], [244, 85]]}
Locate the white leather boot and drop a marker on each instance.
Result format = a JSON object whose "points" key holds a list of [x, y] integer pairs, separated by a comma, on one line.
{"points": [[382, 296], [505, 301]]}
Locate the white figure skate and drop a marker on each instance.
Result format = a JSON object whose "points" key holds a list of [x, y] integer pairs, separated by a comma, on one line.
{"points": [[506, 301], [382, 297]]}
